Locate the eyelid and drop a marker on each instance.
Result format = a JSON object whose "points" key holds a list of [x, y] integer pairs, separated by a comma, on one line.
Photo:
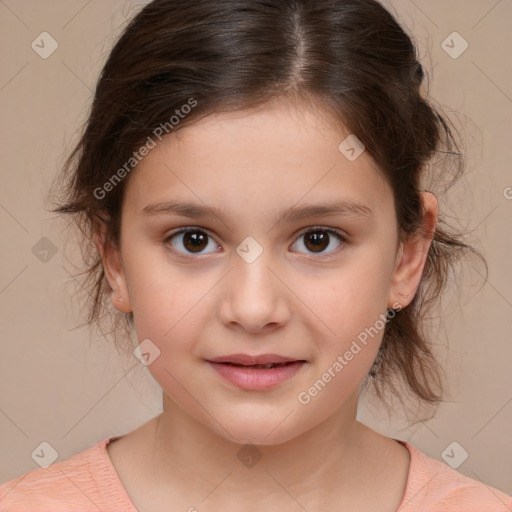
{"points": [[335, 231]]}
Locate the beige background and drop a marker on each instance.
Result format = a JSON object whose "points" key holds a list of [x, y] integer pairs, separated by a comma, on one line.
{"points": [[59, 386]]}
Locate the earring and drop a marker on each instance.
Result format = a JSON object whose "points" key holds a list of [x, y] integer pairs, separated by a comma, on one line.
{"points": [[120, 299]]}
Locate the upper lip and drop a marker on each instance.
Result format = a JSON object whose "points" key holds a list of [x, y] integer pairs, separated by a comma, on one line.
{"points": [[246, 359]]}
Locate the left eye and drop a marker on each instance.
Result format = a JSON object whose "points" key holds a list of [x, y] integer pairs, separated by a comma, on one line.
{"points": [[195, 241], [318, 239]]}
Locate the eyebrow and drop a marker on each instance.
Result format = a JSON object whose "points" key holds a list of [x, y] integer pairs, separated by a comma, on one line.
{"points": [[295, 213]]}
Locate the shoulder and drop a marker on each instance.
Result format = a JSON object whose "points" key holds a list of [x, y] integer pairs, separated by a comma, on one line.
{"points": [[84, 481], [433, 486]]}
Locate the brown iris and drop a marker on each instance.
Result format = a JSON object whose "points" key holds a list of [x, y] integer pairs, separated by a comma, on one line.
{"points": [[195, 241], [317, 240]]}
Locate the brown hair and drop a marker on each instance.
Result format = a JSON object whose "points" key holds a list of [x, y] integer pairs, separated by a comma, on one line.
{"points": [[350, 56]]}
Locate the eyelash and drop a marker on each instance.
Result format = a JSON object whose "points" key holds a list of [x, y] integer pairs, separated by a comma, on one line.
{"points": [[338, 234]]}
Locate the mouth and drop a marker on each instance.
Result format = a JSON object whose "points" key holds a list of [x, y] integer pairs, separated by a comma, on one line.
{"points": [[249, 360], [256, 373]]}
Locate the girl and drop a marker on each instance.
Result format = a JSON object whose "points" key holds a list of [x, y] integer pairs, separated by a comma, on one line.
{"points": [[253, 178]]}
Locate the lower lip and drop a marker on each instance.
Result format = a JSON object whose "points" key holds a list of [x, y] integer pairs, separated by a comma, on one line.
{"points": [[254, 378]]}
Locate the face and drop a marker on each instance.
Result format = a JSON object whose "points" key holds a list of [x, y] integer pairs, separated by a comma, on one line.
{"points": [[286, 247]]}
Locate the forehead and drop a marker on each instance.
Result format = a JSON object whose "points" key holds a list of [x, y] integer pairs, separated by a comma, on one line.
{"points": [[260, 159]]}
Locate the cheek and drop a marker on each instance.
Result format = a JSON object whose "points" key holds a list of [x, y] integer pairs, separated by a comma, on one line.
{"points": [[354, 298], [158, 293], [353, 313], [169, 308], [169, 321]]}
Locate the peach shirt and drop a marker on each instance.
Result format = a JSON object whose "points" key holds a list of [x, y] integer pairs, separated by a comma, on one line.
{"points": [[88, 481]]}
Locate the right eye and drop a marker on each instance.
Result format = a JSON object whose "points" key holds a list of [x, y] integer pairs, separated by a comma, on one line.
{"points": [[190, 241]]}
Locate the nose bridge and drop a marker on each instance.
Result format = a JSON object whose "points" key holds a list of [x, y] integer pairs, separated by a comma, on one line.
{"points": [[254, 297], [251, 273]]}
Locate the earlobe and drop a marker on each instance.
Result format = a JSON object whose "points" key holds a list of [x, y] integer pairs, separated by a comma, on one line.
{"points": [[412, 256], [114, 272]]}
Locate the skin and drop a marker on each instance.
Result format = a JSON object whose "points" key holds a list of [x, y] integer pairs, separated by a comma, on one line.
{"points": [[291, 301]]}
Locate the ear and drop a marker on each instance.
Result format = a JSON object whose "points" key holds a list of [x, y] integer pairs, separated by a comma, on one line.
{"points": [[412, 256], [114, 270]]}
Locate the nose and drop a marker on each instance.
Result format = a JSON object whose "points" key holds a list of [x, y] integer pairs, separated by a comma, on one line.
{"points": [[255, 298]]}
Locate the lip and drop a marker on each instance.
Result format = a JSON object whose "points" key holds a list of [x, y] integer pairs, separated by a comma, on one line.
{"points": [[256, 379], [247, 359]]}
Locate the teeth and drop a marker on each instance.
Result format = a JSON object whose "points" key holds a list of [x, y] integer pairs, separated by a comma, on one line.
{"points": [[260, 366]]}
